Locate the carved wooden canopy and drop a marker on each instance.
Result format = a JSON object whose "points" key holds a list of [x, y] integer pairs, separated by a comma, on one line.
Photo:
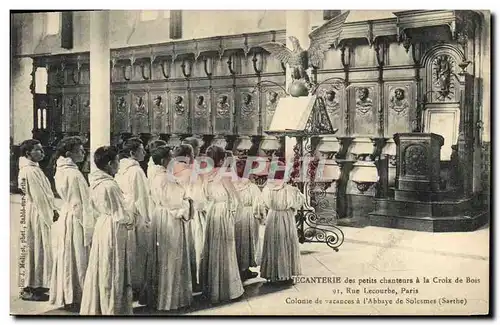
{"points": [[404, 26]]}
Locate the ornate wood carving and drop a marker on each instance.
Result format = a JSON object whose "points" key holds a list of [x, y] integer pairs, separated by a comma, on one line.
{"points": [[270, 98], [71, 113], [159, 112], [121, 113], [140, 113], [334, 99], [443, 70], [415, 160], [201, 111], [223, 110], [85, 113], [364, 107], [248, 108], [180, 108]]}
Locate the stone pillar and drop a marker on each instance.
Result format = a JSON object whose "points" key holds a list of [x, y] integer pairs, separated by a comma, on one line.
{"points": [[297, 24], [99, 82]]}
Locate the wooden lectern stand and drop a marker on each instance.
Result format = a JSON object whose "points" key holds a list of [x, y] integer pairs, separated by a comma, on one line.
{"points": [[418, 167], [420, 202]]}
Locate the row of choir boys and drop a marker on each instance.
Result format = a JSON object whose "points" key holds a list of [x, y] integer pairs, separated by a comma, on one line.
{"points": [[156, 239]]}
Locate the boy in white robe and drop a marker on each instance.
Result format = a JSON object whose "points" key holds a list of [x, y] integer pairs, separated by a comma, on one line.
{"points": [[280, 251], [40, 214], [108, 289], [135, 186], [152, 167], [197, 225], [72, 232], [184, 155], [173, 209]]}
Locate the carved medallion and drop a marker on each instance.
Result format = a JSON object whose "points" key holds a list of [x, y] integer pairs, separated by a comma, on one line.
{"points": [[272, 101], [364, 103], [200, 108], [179, 106], [223, 107], [331, 100], [398, 101], [415, 160], [443, 67]]}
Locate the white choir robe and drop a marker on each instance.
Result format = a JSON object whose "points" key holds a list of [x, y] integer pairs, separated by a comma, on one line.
{"points": [[135, 187], [108, 289], [280, 251], [173, 282], [219, 274], [197, 226], [72, 234], [247, 224], [40, 206], [153, 169]]}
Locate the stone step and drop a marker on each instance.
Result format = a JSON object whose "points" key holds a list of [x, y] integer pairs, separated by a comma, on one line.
{"points": [[456, 223], [423, 209]]}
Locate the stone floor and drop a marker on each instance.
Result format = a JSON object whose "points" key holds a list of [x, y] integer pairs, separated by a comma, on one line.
{"points": [[368, 254]]}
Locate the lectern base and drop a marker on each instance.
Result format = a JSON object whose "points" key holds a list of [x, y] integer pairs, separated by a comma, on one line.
{"points": [[451, 216]]}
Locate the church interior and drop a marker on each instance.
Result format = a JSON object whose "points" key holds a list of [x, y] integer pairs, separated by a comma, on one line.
{"points": [[407, 94]]}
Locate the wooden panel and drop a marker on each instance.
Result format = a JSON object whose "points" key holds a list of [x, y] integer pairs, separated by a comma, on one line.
{"points": [[159, 108], [248, 111], [223, 104], [443, 119], [85, 113], [200, 99], [269, 100], [71, 118], [334, 97], [179, 104], [399, 107], [364, 109], [140, 112], [121, 112], [363, 56]]}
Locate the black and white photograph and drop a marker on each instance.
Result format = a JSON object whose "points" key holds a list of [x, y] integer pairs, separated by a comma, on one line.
{"points": [[250, 162]]}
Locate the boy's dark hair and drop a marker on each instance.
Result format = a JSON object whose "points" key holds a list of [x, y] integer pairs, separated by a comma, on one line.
{"points": [[27, 146], [217, 154], [65, 145], [160, 153], [155, 144], [68, 144], [195, 143], [104, 155], [184, 150], [130, 145]]}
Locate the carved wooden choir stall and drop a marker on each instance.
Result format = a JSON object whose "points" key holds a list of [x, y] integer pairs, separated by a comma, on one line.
{"points": [[399, 94]]}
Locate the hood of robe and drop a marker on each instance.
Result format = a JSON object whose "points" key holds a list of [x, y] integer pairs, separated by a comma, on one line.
{"points": [[24, 162], [126, 163], [98, 176], [63, 162]]}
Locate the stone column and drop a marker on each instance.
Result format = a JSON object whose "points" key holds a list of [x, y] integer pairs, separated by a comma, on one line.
{"points": [[99, 82], [297, 24]]}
